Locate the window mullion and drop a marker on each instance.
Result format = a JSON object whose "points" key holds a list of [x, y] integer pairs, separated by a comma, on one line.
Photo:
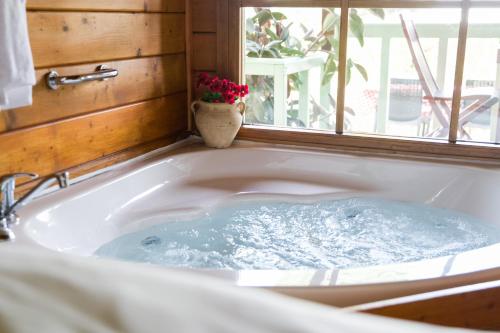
{"points": [[459, 71], [344, 27]]}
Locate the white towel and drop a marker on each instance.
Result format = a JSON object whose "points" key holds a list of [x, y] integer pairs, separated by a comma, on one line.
{"points": [[17, 74], [43, 292]]}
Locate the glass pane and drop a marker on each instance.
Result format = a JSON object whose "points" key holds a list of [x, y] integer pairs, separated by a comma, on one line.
{"points": [[398, 63], [478, 119], [290, 63]]}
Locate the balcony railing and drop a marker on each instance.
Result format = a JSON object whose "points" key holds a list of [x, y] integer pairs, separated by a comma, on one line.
{"points": [[443, 32], [386, 32]]}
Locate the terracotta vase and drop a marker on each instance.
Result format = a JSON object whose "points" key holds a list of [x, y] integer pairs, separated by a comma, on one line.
{"points": [[218, 123]]}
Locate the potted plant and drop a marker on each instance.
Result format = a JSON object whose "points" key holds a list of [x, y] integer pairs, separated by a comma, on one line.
{"points": [[217, 114]]}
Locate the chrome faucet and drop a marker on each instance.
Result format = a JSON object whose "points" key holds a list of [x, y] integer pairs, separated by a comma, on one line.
{"points": [[8, 216]]}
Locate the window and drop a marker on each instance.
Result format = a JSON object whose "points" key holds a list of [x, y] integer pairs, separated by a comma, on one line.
{"points": [[481, 77], [398, 74], [374, 71]]}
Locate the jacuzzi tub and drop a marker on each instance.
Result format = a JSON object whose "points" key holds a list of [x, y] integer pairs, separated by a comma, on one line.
{"points": [[190, 179]]}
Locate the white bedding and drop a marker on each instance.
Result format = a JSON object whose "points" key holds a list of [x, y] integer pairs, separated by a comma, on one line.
{"points": [[43, 292]]}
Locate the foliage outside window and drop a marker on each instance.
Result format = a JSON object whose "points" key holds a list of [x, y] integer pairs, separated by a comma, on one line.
{"points": [[268, 35], [384, 93]]}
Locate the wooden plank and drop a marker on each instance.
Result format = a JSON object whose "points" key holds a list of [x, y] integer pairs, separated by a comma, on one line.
{"points": [[177, 6], [109, 5], [459, 73], [236, 38], [61, 38], [342, 64], [476, 306], [3, 121], [463, 152], [204, 15], [222, 38], [64, 144], [204, 52], [139, 79], [189, 36]]}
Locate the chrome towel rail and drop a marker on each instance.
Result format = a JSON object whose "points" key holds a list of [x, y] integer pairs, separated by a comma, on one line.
{"points": [[102, 73]]}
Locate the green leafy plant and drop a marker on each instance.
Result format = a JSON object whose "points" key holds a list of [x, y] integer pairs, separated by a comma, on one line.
{"points": [[268, 36]]}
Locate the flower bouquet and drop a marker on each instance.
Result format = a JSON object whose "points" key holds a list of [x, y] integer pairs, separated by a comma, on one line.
{"points": [[217, 114]]}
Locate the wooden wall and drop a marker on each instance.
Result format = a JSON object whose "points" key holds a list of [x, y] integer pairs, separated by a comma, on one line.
{"points": [[104, 121], [474, 306], [209, 39]]}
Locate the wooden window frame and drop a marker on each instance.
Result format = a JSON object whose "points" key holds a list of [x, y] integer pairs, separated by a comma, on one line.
{"points": [[362, 142]]}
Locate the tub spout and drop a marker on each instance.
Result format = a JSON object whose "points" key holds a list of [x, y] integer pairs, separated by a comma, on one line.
{"points": [[8, 215]]}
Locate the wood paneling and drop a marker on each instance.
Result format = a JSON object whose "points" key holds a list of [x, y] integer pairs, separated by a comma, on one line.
{"points": [[109, 5], [204, 15], [189, 48], [366, 143], [476, 306], [88, 126], [234, 48], [60, 145], [222, 38], [204, 53], [139, 79], [59, 38], [210, 29], [3, 121]]}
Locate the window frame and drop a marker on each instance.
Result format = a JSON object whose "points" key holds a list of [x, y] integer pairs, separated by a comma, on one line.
{"points": [[366, 142]]}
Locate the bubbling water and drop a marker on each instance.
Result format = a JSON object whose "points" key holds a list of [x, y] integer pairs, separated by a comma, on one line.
{"points": [[327, 234]]}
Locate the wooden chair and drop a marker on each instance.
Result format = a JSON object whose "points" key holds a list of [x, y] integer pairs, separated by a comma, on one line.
{"points": [[480, 99]]}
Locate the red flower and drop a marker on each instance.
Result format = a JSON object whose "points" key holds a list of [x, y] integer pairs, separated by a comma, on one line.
{"points": [[216, 86], [225, 84], [221, 90], [202, 79]]}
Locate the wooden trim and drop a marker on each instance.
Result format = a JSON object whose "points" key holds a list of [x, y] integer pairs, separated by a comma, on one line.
{"points": [[475, 306], [149, 6], [222, 38], [372, 144], [205, 12], [189, 74], [204, 51], [344, 29], [459, 73], [235, 26]]}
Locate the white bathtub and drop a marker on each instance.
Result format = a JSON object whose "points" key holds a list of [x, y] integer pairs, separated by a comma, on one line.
{"points": [[191, 179]]}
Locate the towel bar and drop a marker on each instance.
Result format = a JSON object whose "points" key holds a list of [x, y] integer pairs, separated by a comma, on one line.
{"points": [[102, 72]]}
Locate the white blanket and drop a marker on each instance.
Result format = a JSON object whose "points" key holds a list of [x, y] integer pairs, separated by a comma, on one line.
{"points": [[43, 292], [17, 74]]}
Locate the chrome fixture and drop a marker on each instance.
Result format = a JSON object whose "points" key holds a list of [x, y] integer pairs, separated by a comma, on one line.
{"points": [[8, 216], [101, 73]]}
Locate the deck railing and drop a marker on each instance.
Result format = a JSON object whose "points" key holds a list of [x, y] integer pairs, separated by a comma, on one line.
{"points": [[443, 32], [279, 68]]}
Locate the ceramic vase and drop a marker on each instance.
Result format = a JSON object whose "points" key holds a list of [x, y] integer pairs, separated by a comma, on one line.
{"points": [[218, 123]]}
